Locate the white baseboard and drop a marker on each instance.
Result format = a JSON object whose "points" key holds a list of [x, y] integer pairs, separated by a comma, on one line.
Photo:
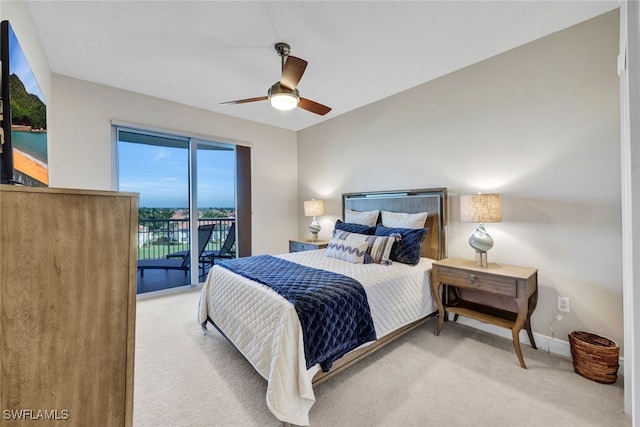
{"points": [[543, 342], [169, 291]]}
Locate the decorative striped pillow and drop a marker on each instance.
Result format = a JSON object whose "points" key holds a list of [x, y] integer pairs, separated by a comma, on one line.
{"points": [[347, 250], [379, 247]]}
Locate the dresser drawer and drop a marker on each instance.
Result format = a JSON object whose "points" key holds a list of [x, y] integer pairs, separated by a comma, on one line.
{"points": [[501, 285]]}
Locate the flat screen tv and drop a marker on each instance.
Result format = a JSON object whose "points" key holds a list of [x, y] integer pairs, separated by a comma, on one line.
{"points": [[23, 112]]}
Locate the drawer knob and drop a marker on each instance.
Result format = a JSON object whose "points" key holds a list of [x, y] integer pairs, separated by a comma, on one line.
{"points": [[473, 282]]}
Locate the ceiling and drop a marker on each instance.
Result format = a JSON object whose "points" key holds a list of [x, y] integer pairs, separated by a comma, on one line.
{"points": [[202, 53]]}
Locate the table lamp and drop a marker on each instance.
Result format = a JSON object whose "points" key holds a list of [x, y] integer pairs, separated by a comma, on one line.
{"points": [[314, 208], [481, 208]]}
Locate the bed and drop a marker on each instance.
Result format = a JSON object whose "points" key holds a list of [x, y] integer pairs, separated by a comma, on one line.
{"points": [[264, 326]]}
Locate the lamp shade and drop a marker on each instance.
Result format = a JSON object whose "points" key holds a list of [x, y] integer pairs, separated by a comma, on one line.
{"points": [[480, 208], [313, 207]]}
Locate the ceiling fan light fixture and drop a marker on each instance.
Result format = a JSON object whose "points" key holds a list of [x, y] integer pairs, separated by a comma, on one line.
{"points": [[284, 101], [282, 98], [284, 95]]}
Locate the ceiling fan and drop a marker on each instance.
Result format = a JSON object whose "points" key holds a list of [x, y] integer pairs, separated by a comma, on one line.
{"points": [[283, 94]]}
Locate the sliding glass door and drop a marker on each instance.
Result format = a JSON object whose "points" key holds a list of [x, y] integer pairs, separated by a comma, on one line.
{"points": [[185, 185], [216, 196]]}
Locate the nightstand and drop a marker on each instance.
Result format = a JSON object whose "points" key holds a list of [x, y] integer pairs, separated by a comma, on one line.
{"points": [[502, 295], [307, 245]]}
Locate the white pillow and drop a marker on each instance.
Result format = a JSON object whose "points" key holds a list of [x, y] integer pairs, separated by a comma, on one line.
{"points": [[365, 218], [351, 250], [404, 220]]}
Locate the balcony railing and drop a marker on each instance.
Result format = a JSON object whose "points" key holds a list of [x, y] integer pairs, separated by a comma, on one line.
{"points": [[159, 237]]}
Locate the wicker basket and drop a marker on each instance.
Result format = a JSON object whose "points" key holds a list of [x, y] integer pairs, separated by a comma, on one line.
{"points": [[594, 357]]}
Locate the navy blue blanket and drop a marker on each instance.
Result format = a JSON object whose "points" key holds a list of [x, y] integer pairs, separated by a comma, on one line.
{"points": [[332, 308]]}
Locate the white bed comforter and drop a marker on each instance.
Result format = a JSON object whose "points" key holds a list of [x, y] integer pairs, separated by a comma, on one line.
{"points": [[265, 327]]}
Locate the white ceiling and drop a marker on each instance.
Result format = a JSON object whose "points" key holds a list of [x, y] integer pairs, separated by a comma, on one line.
{"points": [[202, 53]]}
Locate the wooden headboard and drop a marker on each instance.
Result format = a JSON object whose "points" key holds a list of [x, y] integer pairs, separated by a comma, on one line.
{"points": [[432, 200]]}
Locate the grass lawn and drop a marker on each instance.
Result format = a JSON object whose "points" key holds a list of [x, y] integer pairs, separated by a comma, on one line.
{"points": [[160, 251]]}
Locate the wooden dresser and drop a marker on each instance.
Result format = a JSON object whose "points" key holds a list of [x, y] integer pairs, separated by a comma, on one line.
{"points": [[67, 305]]}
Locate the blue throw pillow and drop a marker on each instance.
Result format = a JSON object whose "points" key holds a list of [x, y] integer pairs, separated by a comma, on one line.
{"points": [[408, 248], [355, 228]]}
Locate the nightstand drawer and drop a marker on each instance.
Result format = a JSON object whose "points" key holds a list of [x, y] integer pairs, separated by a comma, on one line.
{"points": [[298, 247], [303, 246], [500, 285]]}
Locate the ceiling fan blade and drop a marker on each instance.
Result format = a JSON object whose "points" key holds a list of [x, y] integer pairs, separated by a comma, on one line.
{"points": [[314, 107], [244, 101], [292, 72]]}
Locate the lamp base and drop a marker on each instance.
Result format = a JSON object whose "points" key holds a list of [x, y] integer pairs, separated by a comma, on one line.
{"points": [[480, 240], [481, 259], [314, 228]]}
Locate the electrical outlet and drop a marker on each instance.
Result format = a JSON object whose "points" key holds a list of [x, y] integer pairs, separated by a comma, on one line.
{"points": [[564, 304]]}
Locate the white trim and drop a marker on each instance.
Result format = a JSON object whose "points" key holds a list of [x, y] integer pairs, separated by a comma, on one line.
{"points": [[187, 135], [170, 291], [193, 207], [629, 101], [555, 346], [626, 200], [115, 165]]}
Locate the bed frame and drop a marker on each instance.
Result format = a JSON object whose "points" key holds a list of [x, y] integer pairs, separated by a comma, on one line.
{"points": [[433, 201]]}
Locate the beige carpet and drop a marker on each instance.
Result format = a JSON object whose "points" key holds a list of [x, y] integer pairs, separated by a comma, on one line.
{"points": [[463, 377]]}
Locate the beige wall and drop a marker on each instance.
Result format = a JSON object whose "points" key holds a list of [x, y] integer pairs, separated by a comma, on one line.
{"points": [[19, 15], [538, 124], [81, 152]]}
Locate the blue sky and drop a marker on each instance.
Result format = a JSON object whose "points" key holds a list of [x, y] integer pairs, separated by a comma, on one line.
{"points": [[18, 65], [160, 175]]}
